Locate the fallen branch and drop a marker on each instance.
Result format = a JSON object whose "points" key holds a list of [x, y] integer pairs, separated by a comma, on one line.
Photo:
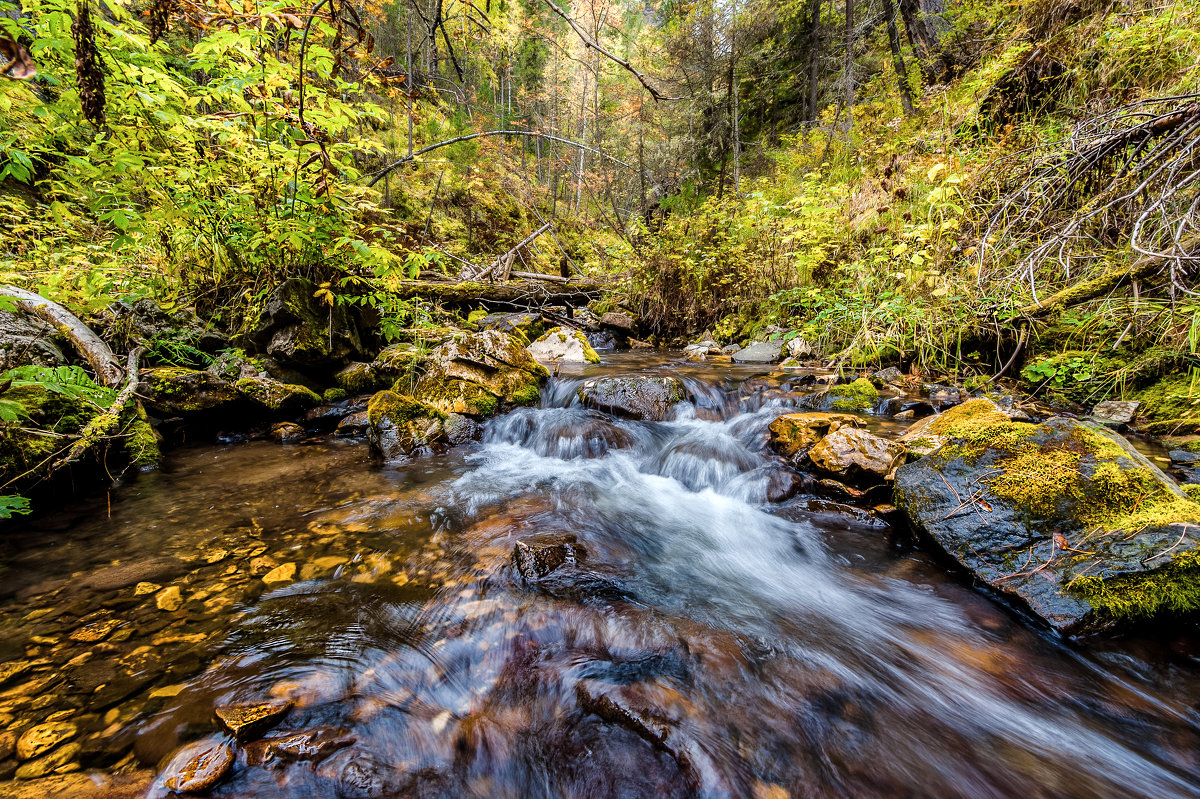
{"points": [[504, 262], [379, 175], [99, 427], [93, 349], [539, 276], [500, 295]]}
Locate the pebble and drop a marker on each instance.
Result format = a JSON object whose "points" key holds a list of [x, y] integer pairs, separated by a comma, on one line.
{"points": [[198, 766], [247, 722], [141, 589], [41, 738], [169, 599], [283, 573]]}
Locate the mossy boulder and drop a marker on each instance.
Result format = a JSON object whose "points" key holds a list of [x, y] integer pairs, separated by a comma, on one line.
{"points": [[930, 433], [398, 360], [857, 396], [275, 396], [479, 374], [399, 425], [793, 434], [28, 446], [524, 327], [300, 331], [1173, 397], [176, 391], [644, 397], [1064, 517], [357, 377], [559, 345]]}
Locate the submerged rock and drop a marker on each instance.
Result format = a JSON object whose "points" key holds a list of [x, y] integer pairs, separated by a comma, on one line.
{"points": [[198, 766], [41, 738], [563, 346], [856, 455], [643, 397], [1064, 516], [794, 433], [479, 374], [398, 425], [760, 352]]}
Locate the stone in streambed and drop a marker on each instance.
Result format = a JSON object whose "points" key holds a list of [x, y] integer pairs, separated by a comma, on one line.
{"points": [[41, 738], [284, 573], [794, 433], [275, 396], [198, 766], [760, 352], [1065, 517], [399, 425], [480, 374], [60, 760], [355, 424], [288, 433], [856, 456], [1115, 413], [641, 397], [169, 599], [175, 391], [249, 721]]}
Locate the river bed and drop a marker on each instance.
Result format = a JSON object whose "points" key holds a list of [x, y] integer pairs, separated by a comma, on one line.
{"points": [[701, 640]]}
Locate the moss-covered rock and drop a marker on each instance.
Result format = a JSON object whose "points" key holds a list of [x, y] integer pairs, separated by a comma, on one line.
{"points": [[28, 447], [300, 331], [399, 425], [857, 396], [480, 374], [275, 396], [524, 327], [360, 378], [1173, 397], [175, 391], [141, 441], [559, 345], [794, 434], [398, 361], [928, 434], [1063, 516]]}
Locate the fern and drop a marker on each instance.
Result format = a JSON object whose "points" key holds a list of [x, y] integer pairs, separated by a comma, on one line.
{"points": [[12, 504], [69, 381]]}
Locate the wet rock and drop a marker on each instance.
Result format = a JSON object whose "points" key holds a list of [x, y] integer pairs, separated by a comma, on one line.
{"points": [[480, 374], [275, 396], [636, 397], [784, 484], [915, 409], [795, 433], [1182, 457], [288, 433], [357, 377], [234, 365], [199, 766], [311, 746], [559, 345], [856, 455], [399, 425], [602, 340], [8, 744], [60, 760], [620, 323], [941, 396], [169, 599], [397, 360], [891, 376], [928, 434], [301, 332], [283, 573], [41, 738], [534, 561], [461, 429], [1115, 413], [96, 631], [355, 424], [13, 669], [175, 391], [1065, 517], [248, 722], [26, 339], [695, 352], [760, 352]]}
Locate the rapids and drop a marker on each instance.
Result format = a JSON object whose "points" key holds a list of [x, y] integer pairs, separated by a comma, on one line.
{"points": [[709, 642]]}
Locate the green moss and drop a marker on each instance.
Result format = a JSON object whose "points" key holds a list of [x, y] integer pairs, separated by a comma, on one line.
{"points": [[334, 394], [1173, 397], [857, 396], [529, 394], [141, 442], [275, 395], [967, 419], [1192, 490], [1172, 588], [400, 409], [359, 378]]}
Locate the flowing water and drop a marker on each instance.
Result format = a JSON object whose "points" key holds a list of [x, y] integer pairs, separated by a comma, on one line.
{"points": [[700, 640]]}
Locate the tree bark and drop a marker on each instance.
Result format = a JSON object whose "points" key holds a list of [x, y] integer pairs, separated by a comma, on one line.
{"points": [[90, 346], [925, 23], [889, 14]]}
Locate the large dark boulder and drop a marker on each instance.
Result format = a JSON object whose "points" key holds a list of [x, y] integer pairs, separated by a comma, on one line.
{"points": [[298, 330], [1064, 517], [177, 332], [25, 339], [643, 397]]}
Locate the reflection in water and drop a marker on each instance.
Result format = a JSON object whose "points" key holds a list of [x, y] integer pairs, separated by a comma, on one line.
{"points": [[693, 640]]}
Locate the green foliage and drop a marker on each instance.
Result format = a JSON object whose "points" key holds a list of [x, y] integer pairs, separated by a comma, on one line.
{"points": [[13, 505], [70, 382]]}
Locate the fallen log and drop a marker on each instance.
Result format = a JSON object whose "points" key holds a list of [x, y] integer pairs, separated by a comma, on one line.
{"points": [[522, 294], [100, 427], [505, 262], [1093, 288], [90, 346]]}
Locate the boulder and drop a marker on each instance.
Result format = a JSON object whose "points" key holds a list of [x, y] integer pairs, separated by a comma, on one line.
{"points": [[890, 376], [563, 346], [794, 433], [246, 722], [357, 377], [41, 738], [275, 396], [555, 565], [643, 397], [621, 324], [298, 330], [941, 396], [1064, 517], [356, 424], [399, 425], [760, 352], [800, 348], [25, 339], [478, 374], [175, 391], [857, 396], [288, 433], [126, 325], [1116, 413], [198, 766], [397, 360], [233, 365], [602, 340], [856, 456], [524, 327], [928, 434]]}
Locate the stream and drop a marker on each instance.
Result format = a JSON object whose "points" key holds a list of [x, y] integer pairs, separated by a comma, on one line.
{"points": [[700, 640]]}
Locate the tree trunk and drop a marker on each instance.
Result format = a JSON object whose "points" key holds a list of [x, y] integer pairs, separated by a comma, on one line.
{"points": [[925, 23], [849, 71], [889, 14], [814, 44]]}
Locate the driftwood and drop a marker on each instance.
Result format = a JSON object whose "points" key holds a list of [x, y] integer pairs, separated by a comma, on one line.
{"points": [[503, 265], [502, 295], [90, 346], [99, 428]]}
